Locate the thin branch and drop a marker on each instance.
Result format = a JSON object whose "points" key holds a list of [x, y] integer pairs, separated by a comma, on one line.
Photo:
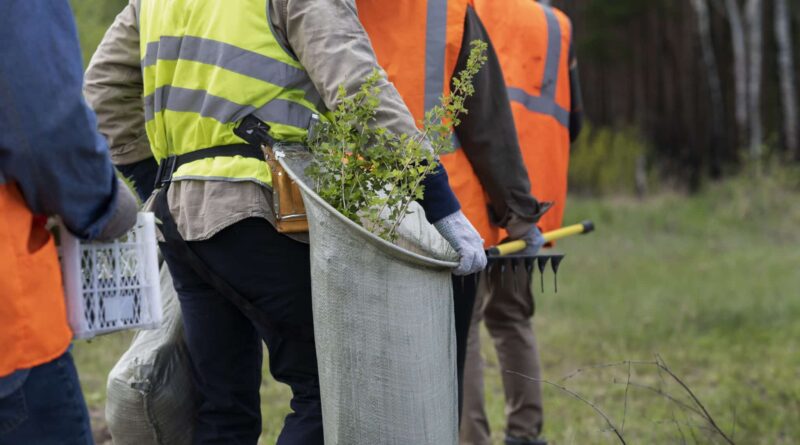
{"points": [[669, 397], [578, 397], [603, 366], [678, 425], [706, 414], [625, 408], [691, 425]]}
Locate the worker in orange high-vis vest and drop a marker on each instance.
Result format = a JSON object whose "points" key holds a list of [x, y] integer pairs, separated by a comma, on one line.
{"points": [[421, 45], [534, 45], [52, 162]]}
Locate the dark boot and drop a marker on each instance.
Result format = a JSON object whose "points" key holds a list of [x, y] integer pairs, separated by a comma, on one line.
{"points": [[515, 441]]}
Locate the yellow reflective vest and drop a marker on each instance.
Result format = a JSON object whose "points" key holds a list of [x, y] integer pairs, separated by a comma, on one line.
{"points": [[207, 64]]}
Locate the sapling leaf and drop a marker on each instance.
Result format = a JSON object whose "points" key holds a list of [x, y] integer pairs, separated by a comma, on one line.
{"points": [[371, 175]]}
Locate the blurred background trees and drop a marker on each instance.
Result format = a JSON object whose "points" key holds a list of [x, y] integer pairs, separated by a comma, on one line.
{"points": [[93, 18], [677, 91], [709, 84]]}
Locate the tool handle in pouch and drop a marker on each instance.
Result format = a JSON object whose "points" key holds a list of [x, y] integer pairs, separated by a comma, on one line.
{"points": [[287, 203]]}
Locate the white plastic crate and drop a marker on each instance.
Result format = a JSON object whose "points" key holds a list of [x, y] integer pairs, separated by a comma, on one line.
{"points": [[112, 286]]}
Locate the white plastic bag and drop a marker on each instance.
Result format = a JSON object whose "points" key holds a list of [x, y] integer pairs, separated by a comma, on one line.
{"points": [[150, 397]]}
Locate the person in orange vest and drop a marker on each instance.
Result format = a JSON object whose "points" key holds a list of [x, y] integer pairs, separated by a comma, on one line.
{"points": [[52, 162], [534, 45], [421, 45]]}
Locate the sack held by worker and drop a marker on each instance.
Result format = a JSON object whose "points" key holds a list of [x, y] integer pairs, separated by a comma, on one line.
{"points": [[383, 322]]}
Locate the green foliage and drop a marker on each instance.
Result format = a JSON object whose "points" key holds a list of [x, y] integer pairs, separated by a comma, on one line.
{"points": [[604, 160], [93, 17], [130, 183], [371, 175]]}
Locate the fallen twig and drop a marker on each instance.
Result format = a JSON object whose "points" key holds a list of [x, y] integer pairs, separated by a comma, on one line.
{"points": [[579, 397], [662, 365]]}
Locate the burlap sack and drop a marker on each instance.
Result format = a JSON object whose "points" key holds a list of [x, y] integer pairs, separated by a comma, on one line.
{"points": [[384, 327]]}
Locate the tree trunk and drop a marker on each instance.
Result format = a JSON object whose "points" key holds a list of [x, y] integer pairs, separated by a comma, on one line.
{"points": [[754, 11], [783, 39], [739, 66], [714, 83]]}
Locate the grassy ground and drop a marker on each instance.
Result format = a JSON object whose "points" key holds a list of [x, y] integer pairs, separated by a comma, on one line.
{"points": [[711, 283]]}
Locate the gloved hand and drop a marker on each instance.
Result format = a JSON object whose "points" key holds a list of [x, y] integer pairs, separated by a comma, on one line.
{"points": [[527, 231], [124, 216], [458, 231]]}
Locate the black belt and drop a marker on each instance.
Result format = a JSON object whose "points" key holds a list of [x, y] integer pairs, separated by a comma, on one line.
{"points": [[168, 166]]}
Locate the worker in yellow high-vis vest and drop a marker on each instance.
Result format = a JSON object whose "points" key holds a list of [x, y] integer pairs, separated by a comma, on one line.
{"points": [[202, 67], [534, 46]]}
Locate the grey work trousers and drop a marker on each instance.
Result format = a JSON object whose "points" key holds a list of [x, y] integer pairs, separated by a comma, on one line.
{"points": [[507, 307]]}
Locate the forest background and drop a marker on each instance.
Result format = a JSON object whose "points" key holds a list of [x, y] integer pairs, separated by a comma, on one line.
{"points": [[690, 167]]}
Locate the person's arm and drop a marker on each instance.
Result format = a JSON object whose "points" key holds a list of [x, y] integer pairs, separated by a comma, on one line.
{"points": [[489, 138], [113, 87], [332, 45], [48, 140], [576, 100]]}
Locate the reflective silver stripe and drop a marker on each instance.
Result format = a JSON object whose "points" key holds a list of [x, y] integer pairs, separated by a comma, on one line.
{"points": [[219, 178], [550, 79], [231, 58], [207, 105], [435, 50], [542, 105]]}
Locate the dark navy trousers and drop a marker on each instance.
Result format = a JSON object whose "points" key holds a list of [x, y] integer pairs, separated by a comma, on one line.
{"points": [[143, 175], [464, 291], [271, 271], [47, 409]]}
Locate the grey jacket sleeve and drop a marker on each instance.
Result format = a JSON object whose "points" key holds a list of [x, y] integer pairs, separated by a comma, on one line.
{"points": [[113, 87], [330, 42]]}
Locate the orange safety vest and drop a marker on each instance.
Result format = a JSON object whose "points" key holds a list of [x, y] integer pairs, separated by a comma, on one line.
{"points": [[532, 42], [33, 315], [418, 43]]}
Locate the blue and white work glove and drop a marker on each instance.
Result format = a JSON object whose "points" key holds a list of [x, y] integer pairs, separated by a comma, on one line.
{"points": [[528, 232], [460, 233]]}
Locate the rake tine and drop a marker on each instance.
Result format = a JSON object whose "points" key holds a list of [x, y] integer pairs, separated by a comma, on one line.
{"points": [[542, 262], [554, 263], [514, 275], [489, 273], [503, 273]]}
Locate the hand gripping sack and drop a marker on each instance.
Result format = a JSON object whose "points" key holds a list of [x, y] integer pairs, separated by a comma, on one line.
{"points": [[150, 397], [384, 326]]}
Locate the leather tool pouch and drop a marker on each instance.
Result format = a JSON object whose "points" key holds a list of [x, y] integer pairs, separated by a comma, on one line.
{"points": [[287, 203], [288, 207]]}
